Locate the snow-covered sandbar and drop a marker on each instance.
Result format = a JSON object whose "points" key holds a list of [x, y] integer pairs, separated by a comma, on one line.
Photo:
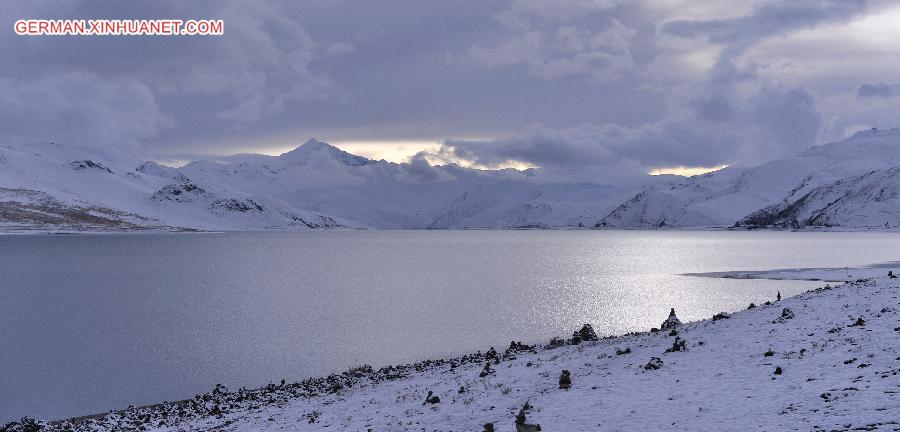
{"points": [[827, 359]]}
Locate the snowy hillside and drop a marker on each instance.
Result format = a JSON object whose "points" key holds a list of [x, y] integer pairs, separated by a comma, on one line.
{"points": [[852, 183], [806, 188], [53, 187], [823, 360], [47, 186], [868, 200]]}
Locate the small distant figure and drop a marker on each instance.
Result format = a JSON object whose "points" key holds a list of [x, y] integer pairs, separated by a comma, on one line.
{"points": [[779, 296], [565, 380], [891, 274]]}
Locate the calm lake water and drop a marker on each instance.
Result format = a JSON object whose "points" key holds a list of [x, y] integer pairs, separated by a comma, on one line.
{"points": [[95, 322]]}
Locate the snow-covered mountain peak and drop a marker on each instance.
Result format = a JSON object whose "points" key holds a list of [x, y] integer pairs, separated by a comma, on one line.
{"points": [[314, 147]]}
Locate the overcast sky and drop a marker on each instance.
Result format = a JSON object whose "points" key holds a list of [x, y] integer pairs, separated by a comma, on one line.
{"points": [[568, 85]]}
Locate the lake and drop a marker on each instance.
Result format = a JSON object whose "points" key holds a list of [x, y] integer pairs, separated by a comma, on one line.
{"points": [[96, 322]]}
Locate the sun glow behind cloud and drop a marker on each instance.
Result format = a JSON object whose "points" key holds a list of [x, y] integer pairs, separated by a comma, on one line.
{"points": [[404, 151], [391, 151], [685, 171]]}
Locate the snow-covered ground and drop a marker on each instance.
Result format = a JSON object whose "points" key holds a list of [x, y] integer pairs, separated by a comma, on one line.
{"points": [[828, 359], [828, 274]]}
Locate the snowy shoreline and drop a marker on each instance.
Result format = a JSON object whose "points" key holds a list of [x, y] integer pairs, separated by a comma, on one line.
{"points": [[838, 372]]}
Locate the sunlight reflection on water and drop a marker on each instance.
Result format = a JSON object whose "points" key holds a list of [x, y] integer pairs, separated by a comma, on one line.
{"points": [[134, 319]]}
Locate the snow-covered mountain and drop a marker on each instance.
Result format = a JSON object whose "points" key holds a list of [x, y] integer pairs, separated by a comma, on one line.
{"points": [[416, 195], [49, 186], [850, 183]]}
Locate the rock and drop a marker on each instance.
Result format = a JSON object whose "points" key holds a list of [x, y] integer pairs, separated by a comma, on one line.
{"points": [[678, 345], [752, 306], [671, 322], [491, 354], [431, 399], [654, 363], [488, 427], [786, 314], [515, 347], [587, 333], [860, 322], [556, 343], [627, 350], [891, 274], [769, 353], [565, 380], [487, 370], [521, 425], [778, 370], [721, 316]]}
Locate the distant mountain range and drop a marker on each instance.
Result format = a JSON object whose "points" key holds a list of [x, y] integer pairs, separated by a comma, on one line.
{"points": [[854, 183], [847, 184]]}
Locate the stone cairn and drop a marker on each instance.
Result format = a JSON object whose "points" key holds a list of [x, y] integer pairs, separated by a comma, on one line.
{"points": [[671, 322]]}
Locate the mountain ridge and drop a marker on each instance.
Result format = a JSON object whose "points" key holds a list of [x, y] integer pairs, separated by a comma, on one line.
{"points": [[49, 186]]}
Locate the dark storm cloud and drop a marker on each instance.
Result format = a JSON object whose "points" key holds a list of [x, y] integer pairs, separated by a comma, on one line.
{"points": [[770, 19], [772, 123], [876, 89], [731, 115], [571, 85]]}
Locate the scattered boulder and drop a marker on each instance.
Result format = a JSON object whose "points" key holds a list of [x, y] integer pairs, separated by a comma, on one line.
{"points": [[778, 370], [491, 354], [488, 427], [654, 363], [431, 399], [721, 316], [752, 306], [521, 425], [860, 322], [555, 342], [891, 274], [671, 322], [786, 314], [587, 333], [487, 370], [678, 345], [769, 353], [515, 347], [627, 350], [565, 380]]}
